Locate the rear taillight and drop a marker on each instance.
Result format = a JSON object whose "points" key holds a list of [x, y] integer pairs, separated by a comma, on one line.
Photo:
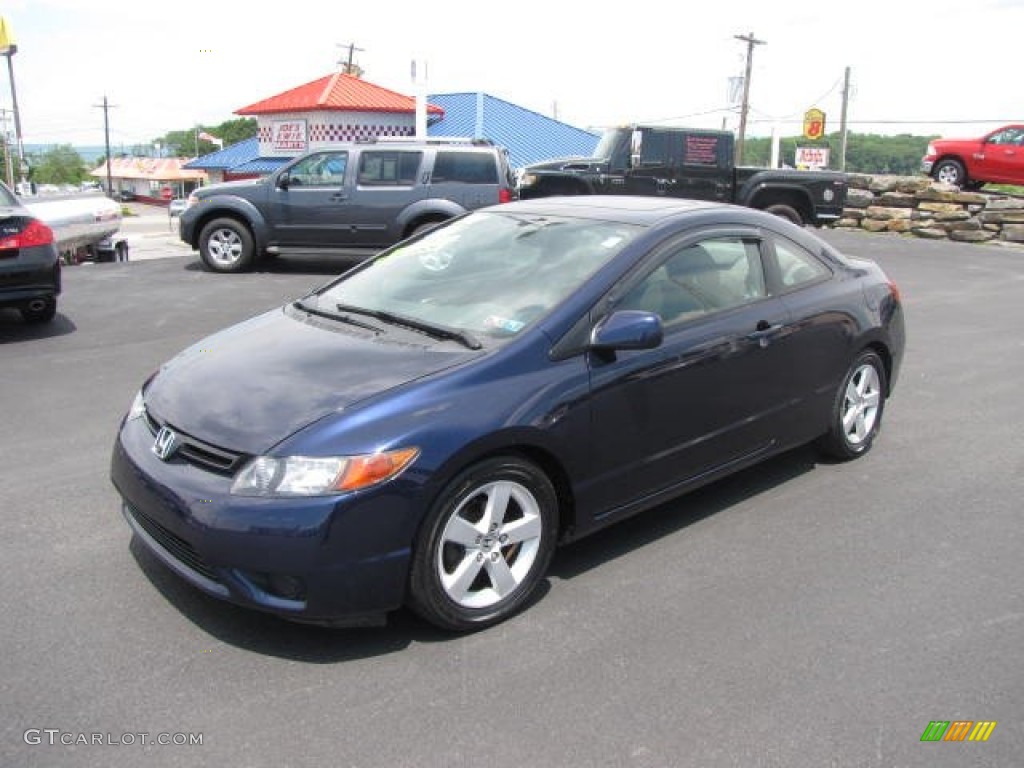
{"points": [[34, 233], [505, 196]]}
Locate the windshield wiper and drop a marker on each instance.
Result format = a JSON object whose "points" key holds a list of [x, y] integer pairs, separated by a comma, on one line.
{"points": [[431, 329], [300, 304]]}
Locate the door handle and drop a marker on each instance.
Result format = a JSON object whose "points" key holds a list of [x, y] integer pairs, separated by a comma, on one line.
{"points": [[337, 197], [764, 333]]}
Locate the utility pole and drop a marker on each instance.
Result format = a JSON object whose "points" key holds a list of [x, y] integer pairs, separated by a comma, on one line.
{"points": [[751, 41], [5, 138], [842, 121], [347, 66], [7, 49], [106, 138]]}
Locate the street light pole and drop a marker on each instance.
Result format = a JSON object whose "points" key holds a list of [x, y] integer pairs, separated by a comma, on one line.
{"points": [[751, 41]]}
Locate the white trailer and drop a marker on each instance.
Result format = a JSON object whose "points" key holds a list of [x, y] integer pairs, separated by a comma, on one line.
{"points": [[85, 226]]}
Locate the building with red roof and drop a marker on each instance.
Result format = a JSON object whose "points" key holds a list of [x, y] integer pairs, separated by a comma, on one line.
{"points": [[337, 107], [151, 179]]}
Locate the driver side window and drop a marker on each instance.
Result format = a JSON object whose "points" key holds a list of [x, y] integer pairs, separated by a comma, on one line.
{"points": [[711, 276], [321, 170]]}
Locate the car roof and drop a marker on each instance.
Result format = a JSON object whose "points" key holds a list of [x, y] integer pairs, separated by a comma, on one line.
{"points": [[628, 209]]}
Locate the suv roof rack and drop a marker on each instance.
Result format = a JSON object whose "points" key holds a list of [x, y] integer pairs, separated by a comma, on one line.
{"points": [[428, 140]]}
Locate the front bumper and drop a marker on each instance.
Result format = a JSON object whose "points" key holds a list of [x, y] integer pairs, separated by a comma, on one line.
{"points": [[339, 559], [926, 166]]}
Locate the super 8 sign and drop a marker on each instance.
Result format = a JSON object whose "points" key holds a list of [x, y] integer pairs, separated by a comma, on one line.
{"points": [[814, 124]]}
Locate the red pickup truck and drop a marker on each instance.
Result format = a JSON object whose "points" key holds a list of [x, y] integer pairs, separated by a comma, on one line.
{"points": [[995, 158]]}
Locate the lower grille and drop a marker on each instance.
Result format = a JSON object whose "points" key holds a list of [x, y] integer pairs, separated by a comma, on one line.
{"points": [[175, 546]]}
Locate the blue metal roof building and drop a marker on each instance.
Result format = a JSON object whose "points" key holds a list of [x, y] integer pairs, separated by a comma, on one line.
{"points": [[528, 136]]}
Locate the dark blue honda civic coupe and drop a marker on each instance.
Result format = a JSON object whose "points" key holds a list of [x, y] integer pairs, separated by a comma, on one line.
{"points": [[425, 429]]}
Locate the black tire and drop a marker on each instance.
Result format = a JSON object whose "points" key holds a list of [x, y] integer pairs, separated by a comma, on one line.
{"points": [[226, 245], [43, 315], [950, 171], [425, 226], [787, 212], [457, 537], [857, 411]]}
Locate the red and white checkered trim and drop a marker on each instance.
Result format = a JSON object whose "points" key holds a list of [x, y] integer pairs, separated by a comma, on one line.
{"points": [[321, 133]]}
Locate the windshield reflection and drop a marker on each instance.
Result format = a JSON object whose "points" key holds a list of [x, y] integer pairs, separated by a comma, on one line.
{"points": [[491, 274]]}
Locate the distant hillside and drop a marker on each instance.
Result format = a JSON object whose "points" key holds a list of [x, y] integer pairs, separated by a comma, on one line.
{"points": [[90, 155]]}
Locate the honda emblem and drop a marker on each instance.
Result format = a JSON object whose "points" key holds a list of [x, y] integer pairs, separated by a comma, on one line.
{"points": [[166, 443]]}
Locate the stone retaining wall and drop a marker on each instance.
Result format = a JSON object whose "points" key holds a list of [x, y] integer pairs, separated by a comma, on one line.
{"points": [[926, 208]]}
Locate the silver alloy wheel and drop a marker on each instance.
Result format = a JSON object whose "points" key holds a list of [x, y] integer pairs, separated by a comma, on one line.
{"points": [[224, 246], [861, 402], [948, 175], [489, 544]]}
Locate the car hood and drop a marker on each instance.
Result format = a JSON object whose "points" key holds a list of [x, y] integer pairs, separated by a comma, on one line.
{"points": [[228, 187], [569, 164], [252, 385]]}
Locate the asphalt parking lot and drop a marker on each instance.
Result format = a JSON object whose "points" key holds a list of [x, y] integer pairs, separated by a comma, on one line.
{"points": [[797, 614]]}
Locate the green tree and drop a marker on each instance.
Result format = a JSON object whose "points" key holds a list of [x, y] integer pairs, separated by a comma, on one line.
{"points": [[186, 143], [59, 165], [865, 152]]}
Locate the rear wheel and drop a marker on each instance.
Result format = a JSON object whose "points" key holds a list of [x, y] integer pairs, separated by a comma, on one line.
{"points": [[857, 412], [485, 546], [787, 212], [425, 226], [226, 245], [41, 312]]}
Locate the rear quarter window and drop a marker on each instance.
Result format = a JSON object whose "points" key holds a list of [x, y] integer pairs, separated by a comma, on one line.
{"points": [[388, 168], [465, 168]]}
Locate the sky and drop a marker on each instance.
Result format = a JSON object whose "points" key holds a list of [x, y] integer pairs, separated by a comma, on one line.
{"points": [[945, 67]]}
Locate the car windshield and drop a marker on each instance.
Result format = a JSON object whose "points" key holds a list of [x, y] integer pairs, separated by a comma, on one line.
{"points": [[488, 274]]}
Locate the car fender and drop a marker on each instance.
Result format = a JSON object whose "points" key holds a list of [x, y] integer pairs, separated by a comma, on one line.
{"points": [[231, 206], [435, 208]]}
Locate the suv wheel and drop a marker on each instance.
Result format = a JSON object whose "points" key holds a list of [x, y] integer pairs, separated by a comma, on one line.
{"points": [[226, 245]]}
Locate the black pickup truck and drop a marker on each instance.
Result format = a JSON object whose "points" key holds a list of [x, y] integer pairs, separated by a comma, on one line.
{"points": [[691, 163]]}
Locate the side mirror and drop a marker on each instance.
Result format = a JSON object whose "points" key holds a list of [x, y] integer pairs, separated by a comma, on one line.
{"points": [[627, 329], [284, 181]]}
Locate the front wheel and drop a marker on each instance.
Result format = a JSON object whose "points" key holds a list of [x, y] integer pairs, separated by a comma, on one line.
{"points": [[226, 245], [951, 171], [485, 546], [786, 212], [857, 411]]}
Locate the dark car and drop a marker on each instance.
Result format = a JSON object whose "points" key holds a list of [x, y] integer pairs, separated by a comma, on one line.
{"points": [[347, 199], [423, 430], [29, 262]]}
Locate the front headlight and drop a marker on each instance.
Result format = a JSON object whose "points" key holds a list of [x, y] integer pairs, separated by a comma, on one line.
{"points": [[138, 407], [527, 179], [191, 200], [319, 475]]}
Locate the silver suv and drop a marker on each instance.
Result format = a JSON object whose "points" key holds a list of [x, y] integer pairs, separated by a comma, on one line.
{"points": [[349, 198]]}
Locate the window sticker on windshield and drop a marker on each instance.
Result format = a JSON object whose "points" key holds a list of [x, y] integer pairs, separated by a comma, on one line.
{"points": [[504, 324], [611, 242]]}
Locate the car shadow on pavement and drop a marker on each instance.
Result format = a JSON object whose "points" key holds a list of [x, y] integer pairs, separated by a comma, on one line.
{"points": [[293, 264], [271, 636], [14, 329], [628, 535]]}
